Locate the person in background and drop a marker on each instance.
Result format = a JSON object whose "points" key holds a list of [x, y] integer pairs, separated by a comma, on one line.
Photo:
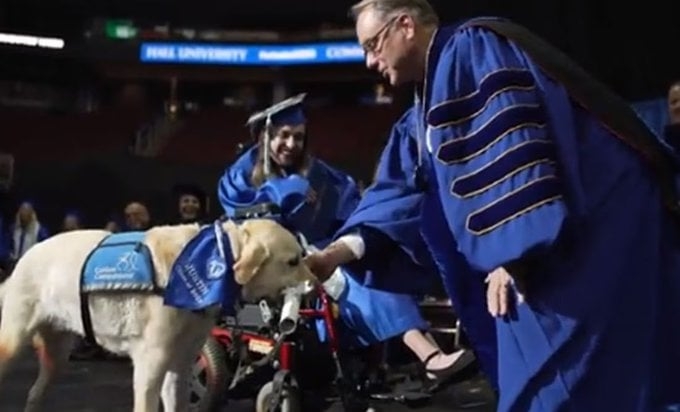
{"points": [[112, 225], [191, 203], [72, 221], [26, 231], [137, 216]]}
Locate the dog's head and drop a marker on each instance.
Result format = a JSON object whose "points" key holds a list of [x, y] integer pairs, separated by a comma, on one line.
{"points": [[268, 258]]}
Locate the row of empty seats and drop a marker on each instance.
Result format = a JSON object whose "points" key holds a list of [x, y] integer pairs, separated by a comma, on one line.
{"points": [[38, 135], [210, 136], [349, 137], [343, 135]]}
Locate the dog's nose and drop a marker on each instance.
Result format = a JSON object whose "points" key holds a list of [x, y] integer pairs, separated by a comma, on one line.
{"points": [[307, 275]]}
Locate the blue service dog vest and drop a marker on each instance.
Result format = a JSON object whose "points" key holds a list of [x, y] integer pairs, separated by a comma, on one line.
{"points": [[121, 262], [200, 277]]}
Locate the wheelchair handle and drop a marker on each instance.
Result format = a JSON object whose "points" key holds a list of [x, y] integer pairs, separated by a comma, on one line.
{"points": [[290, 312]]}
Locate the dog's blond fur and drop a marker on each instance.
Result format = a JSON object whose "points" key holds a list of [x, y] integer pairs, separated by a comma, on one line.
{"points": [[41, 305]]}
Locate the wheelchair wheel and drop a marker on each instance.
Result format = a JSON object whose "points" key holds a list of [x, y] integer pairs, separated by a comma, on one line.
{"points": [[289, 402], [211, 375]]}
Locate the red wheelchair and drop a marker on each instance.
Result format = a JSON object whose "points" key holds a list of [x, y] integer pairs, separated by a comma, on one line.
{"points": [[251, 354], [247, 356], [244, 346]]}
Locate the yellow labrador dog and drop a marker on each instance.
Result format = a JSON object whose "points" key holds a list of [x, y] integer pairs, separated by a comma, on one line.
{"points": [[42, 304]]}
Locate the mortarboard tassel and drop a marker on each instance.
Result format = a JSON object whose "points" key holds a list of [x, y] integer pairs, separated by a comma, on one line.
{"points": [[267, 140]]}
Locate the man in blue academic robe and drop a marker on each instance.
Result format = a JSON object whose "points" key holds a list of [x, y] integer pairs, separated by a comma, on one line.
{"points": [[538, 176], [315, 200]]}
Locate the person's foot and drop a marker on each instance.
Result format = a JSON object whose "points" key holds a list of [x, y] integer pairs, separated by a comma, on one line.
{"points": [[441, 368], [440, 361]]}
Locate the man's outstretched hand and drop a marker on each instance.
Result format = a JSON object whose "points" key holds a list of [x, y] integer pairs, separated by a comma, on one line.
{"points": [[323, 263], [320, 264]]}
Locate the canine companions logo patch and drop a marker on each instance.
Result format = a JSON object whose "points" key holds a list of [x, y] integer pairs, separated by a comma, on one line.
{"points": [[120, 262], [123, 269]]}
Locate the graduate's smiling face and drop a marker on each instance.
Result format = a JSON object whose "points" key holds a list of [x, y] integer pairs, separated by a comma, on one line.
{"points": [[389, 44], [287, 145]]}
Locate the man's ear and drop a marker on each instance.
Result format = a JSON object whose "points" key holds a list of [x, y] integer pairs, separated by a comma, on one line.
{"points": [[251, 257]]}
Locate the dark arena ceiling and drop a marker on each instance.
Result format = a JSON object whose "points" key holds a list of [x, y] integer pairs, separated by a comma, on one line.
{"points": [[628, 45]]}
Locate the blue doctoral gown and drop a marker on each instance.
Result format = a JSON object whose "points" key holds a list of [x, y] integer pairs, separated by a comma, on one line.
{"points": [[525, 175], [373, 315]]}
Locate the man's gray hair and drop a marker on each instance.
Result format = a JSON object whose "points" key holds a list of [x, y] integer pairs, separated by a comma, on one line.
{"points": [[420, 10]]}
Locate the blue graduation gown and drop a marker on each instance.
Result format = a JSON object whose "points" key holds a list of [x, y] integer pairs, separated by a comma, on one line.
{"points": [[373, 315], [337, 193], [524, 174]]}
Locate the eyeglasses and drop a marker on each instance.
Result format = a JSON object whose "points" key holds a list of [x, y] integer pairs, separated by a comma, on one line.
{"points": [[375, 42]]}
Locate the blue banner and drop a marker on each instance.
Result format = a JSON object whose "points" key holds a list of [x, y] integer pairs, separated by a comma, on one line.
{"points": [[251, 55]]}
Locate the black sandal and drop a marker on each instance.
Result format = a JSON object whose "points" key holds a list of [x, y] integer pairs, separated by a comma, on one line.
{"points": [[446, 375]]}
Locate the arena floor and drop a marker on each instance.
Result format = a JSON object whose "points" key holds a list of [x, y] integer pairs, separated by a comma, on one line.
{"points": [[105, 386]]}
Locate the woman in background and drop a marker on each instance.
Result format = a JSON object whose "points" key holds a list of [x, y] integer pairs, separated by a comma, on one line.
{"points": [[26, 232], [191, 203]]}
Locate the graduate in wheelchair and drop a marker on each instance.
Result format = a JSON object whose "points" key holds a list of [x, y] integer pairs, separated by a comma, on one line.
{"points": [[317, 199]]}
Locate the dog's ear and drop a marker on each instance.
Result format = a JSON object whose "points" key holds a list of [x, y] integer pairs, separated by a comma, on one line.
{"points": [[252, 255]]}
